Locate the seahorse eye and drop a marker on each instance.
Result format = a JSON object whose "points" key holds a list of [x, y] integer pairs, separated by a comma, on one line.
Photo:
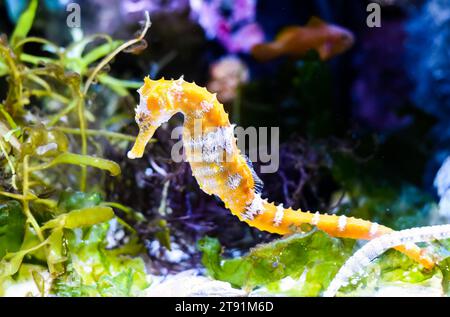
{"points": [[138, 118]]}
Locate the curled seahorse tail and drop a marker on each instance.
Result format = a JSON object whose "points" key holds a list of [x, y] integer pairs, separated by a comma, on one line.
{"points": [[277, 219]]}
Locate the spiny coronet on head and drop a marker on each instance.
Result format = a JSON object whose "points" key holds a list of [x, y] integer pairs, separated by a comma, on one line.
{"points": [[142, 106], [146, 88], [175, 89], [177, 84], [154, 108], [141, 110]]}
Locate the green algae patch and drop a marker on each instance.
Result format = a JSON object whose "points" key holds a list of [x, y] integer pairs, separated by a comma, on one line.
{"points": [[313, 258]]}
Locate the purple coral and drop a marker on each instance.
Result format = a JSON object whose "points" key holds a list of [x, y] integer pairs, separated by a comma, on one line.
{"points": [[232, 23]]}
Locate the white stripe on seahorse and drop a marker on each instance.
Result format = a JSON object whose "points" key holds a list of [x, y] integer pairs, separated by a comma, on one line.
{"points": [[221, 137], [204, 171], [373, 229], [279, 214], [315, 219], [255, 208], [342, 223]]}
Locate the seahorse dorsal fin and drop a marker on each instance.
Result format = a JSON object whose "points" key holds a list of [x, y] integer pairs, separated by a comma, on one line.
{"points": [[315, 22], [259, 184]]}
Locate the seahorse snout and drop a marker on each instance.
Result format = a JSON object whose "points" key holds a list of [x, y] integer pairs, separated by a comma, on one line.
{"points": [[142, 139]]}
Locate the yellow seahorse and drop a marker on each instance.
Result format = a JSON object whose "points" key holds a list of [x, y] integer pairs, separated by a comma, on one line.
{"points": [[220, 169]]}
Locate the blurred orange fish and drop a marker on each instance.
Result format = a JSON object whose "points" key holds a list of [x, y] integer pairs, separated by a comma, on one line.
{"points": [[295, 41]]}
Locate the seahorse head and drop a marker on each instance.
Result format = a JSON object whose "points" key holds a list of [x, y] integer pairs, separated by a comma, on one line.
{"points": [[156, 106]]}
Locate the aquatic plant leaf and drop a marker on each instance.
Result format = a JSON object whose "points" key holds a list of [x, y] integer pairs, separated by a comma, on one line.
{"points": [[95, 271], [44, 143], [316, 254], [3, 68], [56, 251], [163, 233], [118, 285], [35, 60], [81, 218], [134, 214], [85, 160], [119, 86], [71, 200], [39, 281], [82, 211], [211, 258], [392, 270], [11, 262], [27, 281], [395, 266], [12, 227], [90, 269], [14, 8], [444, 266], [75, 50], [30, 240], [80, 64], [99, 52], [76, 230], [8, 135], [24, 23]]}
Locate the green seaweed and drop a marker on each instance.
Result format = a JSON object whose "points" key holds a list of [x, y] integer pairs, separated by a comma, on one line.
{"points": [[12, 227], [25, 22], [444, 266], [108, 274], [46, 228], [71, 200], [316, 255]]}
